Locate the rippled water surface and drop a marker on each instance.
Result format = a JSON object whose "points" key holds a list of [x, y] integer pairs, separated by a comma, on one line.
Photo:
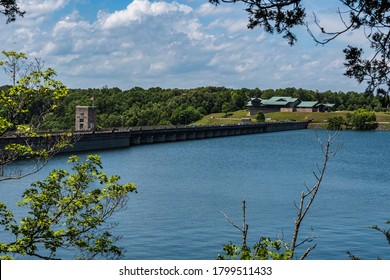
{"points": [[184, 186]]}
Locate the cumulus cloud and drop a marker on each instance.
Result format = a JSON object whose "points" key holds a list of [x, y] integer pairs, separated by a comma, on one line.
{"points": [[167, 44], [38, 8], [231, 25], [192, 28], [208, 9], [139, 9]]}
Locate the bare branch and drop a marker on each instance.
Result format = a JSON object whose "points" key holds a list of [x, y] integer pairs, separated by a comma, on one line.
{"points": [[231, 222], [244, 229], [312, 193], [307, 252]]}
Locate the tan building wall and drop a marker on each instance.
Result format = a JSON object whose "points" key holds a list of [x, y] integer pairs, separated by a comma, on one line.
{"points": [[253, 111], [287, 109], [309, 110], [85, 118]]}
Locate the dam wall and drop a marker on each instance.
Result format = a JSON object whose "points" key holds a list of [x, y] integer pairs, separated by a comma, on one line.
{"points": [[119, 138], [133, 136]]}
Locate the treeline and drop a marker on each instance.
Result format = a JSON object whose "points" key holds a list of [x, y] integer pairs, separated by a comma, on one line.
{"points": [[157, 106]]}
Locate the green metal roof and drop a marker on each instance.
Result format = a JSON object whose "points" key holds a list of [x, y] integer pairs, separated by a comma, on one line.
{"points": [[308, 104], [329, 105], [284, 100], [279, 100]]}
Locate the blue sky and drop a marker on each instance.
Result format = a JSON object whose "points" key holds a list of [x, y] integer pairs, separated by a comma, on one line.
{"points": [[174, 44]]}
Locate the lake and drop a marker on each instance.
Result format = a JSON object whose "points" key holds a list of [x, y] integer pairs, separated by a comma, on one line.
{"points": [[184, 186]]}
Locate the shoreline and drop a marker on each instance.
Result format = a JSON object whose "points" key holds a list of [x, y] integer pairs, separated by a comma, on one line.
{"points": [[381, 127]]}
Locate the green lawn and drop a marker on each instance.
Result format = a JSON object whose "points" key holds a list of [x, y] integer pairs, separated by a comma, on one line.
{"points": [[318, 119], [219, 118]]}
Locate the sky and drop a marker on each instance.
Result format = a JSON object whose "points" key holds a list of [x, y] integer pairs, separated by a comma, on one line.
{"points": [[174, 44]]}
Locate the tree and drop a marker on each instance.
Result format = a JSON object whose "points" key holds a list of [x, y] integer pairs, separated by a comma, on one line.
{"points": [[362, 120], [260, 117], [23, 108], [13, 64], [10, 9], [185, 114], [335, 123], [64, 213], [281, 16], [266, 248], [226, 108], [273, 15]]}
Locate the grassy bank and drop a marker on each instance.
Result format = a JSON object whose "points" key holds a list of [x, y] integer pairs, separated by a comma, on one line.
{"points": [[221, 118], [319, 120]]}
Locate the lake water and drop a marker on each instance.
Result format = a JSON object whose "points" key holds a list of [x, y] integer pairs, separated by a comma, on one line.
{"points": [[184, 186]]}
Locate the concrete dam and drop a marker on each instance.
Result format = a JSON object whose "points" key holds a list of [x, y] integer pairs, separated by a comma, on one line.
{"points": [[127, 137]]}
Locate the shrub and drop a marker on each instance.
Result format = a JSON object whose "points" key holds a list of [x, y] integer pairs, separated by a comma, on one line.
{"points": [[363, 120], [336, 123], [260, 117]]}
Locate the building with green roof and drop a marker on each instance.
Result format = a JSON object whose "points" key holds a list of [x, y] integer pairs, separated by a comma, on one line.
{"points": [[274, 104], [285, 104], [308, 106]]}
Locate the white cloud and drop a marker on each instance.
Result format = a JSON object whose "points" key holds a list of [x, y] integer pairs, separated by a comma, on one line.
{"points": [[63, 26], [139, 9], [192, 28], [287, 67], [38, 8], [158, 66], [50, 47], [168, 44], [231, 25], [261, 38], [208, 9]]}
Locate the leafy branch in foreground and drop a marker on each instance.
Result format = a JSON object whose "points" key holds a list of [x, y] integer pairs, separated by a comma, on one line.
{"points": [[24, 106], [385, 232], [369, 16], [10, 9], [65, 213], [266, 248], [275, 16]]}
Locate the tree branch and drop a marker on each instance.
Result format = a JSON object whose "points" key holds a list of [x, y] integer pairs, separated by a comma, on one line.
{"points": [[311, 195]]}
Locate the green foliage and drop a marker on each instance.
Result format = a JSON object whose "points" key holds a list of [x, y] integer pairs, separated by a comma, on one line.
{"points": [[260, 117], [226, 108], [265, 249], [274, 16], [13, 64], [385, 232], [352, 256], [362, 120], [335, 123], [35, 93], [185, 114], [155, 106], [65, 213]]}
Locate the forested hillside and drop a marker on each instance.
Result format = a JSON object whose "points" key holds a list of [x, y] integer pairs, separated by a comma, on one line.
{"points": [[157, 106]]}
